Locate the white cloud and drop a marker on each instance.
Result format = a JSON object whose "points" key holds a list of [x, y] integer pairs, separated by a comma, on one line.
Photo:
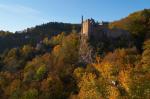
{"points": [[18, 9], [15, 17]]}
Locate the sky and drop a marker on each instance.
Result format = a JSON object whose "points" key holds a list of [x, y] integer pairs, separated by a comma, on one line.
{"points": [[17, 15]]}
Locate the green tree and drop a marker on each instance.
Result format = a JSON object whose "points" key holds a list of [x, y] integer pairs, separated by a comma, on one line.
{"points": [[11, 60], [37, 68], [65, 54], [146, 56], [27, 52], [40, 73], [70, 46], [31, 94], [56, 39]]}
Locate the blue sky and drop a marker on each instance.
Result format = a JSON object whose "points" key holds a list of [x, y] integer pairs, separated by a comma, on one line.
{"points": [[16, 15]]}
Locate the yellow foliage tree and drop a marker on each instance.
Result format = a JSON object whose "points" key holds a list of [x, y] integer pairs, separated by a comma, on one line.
{"points": [[125, 80], [88, 87]]}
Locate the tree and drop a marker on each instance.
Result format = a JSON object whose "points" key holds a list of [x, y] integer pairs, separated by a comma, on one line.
{"points": [[56, 39], [125, 80], [70, 47], [27, 52], [138, 24], [88, 87], [52, 87], [11, 60], [37, 68], [31, 94], [140, 87], [146, 56], [40, 73], [14, 90], [1, 63], [66, 53], [78, 73]]}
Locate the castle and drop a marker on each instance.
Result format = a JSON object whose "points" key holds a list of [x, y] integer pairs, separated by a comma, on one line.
{"points": [[99, 32], [95, 30]]}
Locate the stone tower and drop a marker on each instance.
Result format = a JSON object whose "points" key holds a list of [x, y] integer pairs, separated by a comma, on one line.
{"points": [[87, 27], [85, 50]]}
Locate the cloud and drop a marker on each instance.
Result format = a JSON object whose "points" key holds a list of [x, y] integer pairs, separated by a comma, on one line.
{"points": [[19, 9], [14, 17]]}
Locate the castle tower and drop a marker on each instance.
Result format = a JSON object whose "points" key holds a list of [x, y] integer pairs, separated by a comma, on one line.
{"points": [[85, 50], [87, 27]]}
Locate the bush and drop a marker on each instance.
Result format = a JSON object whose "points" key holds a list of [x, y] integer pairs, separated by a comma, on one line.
{"points": [[40, 73], [31, 94]]}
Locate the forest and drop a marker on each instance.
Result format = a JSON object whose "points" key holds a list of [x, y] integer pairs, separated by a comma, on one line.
{"points": [[43, 63]]}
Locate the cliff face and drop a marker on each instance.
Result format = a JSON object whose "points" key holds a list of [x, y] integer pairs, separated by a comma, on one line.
{"points": [[85, 50]]}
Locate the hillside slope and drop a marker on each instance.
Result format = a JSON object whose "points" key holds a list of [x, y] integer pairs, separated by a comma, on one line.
{"points": [[34, 35], [138, 24]]}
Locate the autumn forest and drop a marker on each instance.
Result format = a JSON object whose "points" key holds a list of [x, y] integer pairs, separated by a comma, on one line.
{"points": [[43, 62]]}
